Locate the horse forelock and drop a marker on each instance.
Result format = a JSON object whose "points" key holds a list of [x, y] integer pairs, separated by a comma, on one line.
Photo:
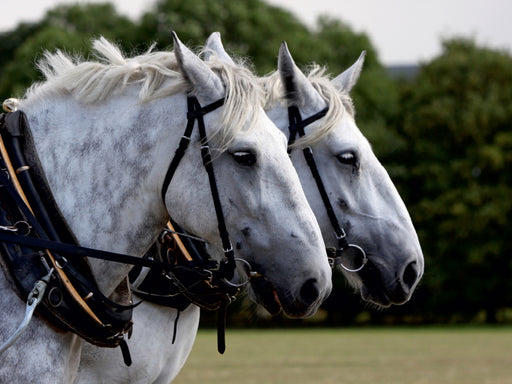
{"points": [[158, 76], [340, 103], [244, 99]]}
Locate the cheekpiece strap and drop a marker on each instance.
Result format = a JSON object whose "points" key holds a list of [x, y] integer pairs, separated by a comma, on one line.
{"points": [[196, 112], [296, 126]]}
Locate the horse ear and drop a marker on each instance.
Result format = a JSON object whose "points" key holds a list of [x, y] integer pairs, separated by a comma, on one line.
{"points": [[214, 46], [299, 90], [204, 81], [346, 81]]}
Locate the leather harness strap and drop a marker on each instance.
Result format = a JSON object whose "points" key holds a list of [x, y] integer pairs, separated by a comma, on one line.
{"points": [[296, 126], [196, 112]]}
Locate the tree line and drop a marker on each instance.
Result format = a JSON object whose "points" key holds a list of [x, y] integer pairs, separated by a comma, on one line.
{"points": [[444, 136]]}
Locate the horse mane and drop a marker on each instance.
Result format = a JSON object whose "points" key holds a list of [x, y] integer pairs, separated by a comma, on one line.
{"points": [[340, 103], [156, 73]]}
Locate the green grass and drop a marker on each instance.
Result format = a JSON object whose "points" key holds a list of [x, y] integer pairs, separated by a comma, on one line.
{"points": [[438, 355]]}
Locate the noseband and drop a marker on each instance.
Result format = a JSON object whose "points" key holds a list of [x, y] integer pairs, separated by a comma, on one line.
{"points": [[345, 250]]}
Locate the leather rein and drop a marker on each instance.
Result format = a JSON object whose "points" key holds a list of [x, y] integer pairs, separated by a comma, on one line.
{"points": [[344, 249]]}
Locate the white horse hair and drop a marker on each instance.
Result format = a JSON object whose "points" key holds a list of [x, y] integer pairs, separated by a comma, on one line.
{"points": [[165, 359], [105, 158], [156, 73], [362, 194]]}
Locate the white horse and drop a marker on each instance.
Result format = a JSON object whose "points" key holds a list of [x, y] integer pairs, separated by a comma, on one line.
{"points": [[106, 132], [366, 210], [360, 193], [166, 359]]}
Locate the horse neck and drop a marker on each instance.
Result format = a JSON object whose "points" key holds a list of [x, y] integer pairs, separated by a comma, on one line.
{"points": [[104, 165]]}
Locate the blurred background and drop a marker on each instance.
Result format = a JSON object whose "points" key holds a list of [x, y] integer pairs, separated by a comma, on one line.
{"points": [[438, 113]]}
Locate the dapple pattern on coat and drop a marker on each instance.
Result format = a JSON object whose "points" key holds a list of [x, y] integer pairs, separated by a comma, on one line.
{"points": [[339, 119], [108, 183]]}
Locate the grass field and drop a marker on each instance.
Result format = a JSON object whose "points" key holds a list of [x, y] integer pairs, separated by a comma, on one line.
{"points": [[434, 355]]}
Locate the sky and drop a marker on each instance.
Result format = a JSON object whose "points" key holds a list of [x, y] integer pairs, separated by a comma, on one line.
{"points": [[402, 31]]}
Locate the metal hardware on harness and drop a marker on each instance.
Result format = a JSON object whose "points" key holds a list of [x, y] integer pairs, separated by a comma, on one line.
{"points": [[34, 298], [352, 251], [250, 275], [10, 105], [16, 228], [296, 126], [22, 169]]}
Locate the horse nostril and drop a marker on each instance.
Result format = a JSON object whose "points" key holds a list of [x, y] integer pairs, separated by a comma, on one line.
{"points": [[309, 292], [410, 275]]}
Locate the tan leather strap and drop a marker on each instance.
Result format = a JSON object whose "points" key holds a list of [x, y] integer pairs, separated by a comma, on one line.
{"points": [[60, 272]]}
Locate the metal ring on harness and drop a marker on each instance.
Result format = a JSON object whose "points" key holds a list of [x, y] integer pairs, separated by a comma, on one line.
{"points": [[20, 227], [250, 275], [351, 252]]}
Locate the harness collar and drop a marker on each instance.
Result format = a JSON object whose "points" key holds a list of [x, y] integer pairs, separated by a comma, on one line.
{"points": [[351, 251], [31, 232]]}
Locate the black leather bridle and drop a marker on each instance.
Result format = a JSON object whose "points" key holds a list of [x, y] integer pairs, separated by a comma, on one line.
{"points": [[350, 251], [196, 112], [222, 290]]}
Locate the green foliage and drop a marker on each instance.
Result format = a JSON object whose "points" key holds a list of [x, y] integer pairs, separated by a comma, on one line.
{"points": [[445, 137], [457, 118], [69, 28]]}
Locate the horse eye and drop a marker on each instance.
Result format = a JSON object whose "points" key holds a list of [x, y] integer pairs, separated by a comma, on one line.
{"points": [[246, 158], [348, 158]]}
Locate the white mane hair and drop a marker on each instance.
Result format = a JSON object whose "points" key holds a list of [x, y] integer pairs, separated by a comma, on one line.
{"points": [[156, 73], [340, 103]]}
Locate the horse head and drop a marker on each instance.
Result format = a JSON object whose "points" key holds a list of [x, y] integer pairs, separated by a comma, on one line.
{"points": [[363, 197], [269, 221], [366, 209]]}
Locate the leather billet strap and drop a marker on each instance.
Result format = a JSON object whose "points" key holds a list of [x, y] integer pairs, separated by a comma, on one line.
{"points": [[197, 112]]}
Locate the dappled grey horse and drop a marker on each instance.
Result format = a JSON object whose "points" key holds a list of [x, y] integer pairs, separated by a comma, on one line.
{"points": [[391, 263], [105, 134]]}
